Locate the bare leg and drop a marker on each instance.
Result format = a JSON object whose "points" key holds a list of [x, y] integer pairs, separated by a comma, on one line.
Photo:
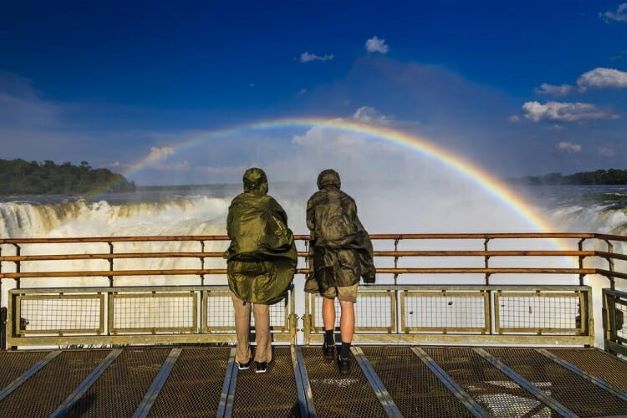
{"points": [[328, 313], [262, 333], [242, 329], [347, 320]]}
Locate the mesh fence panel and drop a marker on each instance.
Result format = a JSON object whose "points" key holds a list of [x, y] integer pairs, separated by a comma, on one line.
{"points": [[60, 313], [153, 311], [436, 311], [535, 312]]}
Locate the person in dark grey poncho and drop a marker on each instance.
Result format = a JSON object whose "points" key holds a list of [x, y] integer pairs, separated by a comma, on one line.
{"points": [[342, 253], [261, 262]]}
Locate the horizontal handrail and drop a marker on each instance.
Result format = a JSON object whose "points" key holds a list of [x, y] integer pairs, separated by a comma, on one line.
{"points": [[220, 254], [384, 270], [181, 238]]}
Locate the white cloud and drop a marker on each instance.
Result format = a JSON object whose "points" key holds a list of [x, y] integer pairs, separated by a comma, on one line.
{"points": [[554, 90], [301, 92], [564, 112], [308, 57], [620, 15], [603, 78], [158, 153], [569, 147], [597, 78], [370, 115], [606, 152], [375, 44]]}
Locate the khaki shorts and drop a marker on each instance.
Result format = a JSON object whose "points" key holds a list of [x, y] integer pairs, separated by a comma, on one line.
{"points": [[346, 293]]}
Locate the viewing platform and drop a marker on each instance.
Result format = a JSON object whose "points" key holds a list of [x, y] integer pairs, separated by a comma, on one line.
{"points": [[457, 325]]}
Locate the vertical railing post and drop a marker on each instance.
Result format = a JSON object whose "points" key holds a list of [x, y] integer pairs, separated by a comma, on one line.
{"points": [[18, 265], [202, 262], [486, 260], [110, 263], [3, 312], [581, 257], [610, 260], [396, 241]]}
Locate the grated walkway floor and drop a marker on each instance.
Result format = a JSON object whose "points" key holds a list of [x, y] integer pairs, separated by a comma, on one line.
{"points": [[387, 380]]}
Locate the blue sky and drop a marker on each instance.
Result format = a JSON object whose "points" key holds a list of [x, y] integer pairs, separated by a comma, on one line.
{"points": [[520, 88]]}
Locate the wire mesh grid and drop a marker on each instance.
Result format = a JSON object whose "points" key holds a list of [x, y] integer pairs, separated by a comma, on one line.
{"points": [[538, 312], [220, 313], [221, 316], [137, 312], [496, 393], [373, 312], [59, 313], [577, 394], [438, 311], [620, 313]]}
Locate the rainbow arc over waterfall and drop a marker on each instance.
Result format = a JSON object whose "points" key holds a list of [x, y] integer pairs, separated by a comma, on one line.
{"points": [[419, 144]]}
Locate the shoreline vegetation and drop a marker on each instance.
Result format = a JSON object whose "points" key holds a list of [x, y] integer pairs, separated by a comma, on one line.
{"points": [[610, 177], [20, 177], [44, 178]]}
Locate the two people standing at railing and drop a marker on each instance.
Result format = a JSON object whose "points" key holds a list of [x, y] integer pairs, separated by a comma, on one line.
{"points": [[261, 262]]}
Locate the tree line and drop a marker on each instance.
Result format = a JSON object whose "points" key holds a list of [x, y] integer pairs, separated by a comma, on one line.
{"points": [[24, 177], [600, 177]]}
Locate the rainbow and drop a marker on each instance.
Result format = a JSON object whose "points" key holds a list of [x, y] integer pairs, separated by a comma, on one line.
{"points": [[455, 162]]}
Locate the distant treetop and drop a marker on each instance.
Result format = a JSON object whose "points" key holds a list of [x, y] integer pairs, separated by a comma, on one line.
{"points": [[600, 177], [23, 177]]}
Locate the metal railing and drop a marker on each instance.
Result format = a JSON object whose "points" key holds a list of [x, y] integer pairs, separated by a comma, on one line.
{"points": [[489, 303]]}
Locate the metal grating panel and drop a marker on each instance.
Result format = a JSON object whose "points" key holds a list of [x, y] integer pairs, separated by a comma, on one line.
{"points": [[278, 398], [148, 312], [415, 390], [439, 311], [587, 400], [538, 312], [337, 395], [597, 363], [194, 385], [13, 364], [374, 311], [45, 391], [496, 393], [52, 314], [121, 387]]}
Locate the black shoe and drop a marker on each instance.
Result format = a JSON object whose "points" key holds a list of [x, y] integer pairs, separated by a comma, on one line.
{"points": [[344, 364], [328, 351], [244, 366], [261, 367]]}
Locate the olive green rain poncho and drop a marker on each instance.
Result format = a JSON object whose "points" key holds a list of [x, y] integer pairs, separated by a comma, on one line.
{"points": [[342, 250], [261, 260]]}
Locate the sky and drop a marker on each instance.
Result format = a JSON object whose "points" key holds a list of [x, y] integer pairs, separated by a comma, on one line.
{"points": [[517, 88]]}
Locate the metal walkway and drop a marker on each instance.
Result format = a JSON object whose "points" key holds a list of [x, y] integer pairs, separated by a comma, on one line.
{"points": [[385, 381]]}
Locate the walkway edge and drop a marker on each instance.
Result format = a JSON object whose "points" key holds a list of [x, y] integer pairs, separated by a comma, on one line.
{"points": [[157, 384], [473, 407], [377, 385], [28, 374], [589, 377], [303, 388], [225, 407], [84, 386], [525, 384]]}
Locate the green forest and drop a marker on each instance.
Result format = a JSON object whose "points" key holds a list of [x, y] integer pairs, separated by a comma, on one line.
{"points": [[23, 177], [600, 177]]}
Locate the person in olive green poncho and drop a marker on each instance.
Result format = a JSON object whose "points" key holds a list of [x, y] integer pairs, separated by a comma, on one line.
{"points": [[261, 262], [342, 253]]}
